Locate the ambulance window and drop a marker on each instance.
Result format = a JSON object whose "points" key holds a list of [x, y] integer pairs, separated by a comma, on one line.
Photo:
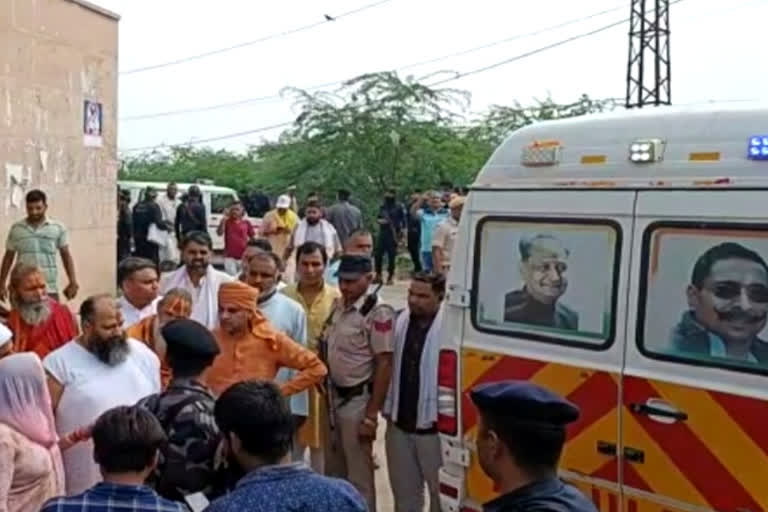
{"points": [[704, 295], [220, 201], [547, 280]]}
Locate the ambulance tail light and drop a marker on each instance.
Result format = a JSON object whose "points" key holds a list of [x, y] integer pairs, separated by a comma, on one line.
{"points": [[447, 390]]}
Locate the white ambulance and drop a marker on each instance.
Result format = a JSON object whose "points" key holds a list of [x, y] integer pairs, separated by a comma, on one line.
{"points": [[620, 260]]}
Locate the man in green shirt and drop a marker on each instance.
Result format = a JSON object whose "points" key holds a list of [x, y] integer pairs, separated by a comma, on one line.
{"points": [[36, 240]]}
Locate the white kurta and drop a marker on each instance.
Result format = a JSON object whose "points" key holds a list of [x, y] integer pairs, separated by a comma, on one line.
{"points": [[91, 388]]}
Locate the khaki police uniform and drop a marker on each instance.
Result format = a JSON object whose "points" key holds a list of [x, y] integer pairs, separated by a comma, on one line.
{"points": [[353, 342]]}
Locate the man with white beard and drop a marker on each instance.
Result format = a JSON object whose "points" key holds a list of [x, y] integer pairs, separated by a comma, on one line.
{"points": [[39, 323], [93, 373]]}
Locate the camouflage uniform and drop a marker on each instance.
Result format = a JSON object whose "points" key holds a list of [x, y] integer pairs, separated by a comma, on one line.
{"points": [[187, 462]]}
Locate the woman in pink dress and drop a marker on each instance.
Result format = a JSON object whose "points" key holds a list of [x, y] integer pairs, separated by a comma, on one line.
{"points": [[30, 459]]}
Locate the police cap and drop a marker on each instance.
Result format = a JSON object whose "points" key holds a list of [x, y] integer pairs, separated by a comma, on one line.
{"points": [[190, 338], [353, 266], [525, 403]]}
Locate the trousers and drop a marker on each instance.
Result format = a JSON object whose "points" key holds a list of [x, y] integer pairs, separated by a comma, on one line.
{"points": [[413, 460], [387, 247], [348, 457], [143, 248], [414, 243]]}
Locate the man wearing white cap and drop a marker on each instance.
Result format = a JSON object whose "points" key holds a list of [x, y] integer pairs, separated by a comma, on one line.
{"points": [[278, 225], [5, 341]]}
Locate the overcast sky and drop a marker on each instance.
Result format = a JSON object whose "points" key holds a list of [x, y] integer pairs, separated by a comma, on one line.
{"points": [[716, 55]]}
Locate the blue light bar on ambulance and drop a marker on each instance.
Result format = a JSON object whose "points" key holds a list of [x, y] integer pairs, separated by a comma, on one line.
{"points": [[758, 147]]}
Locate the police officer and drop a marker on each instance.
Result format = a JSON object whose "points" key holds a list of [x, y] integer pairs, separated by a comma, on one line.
{"points": [[359, 359], [521, 432], [185, 410]]}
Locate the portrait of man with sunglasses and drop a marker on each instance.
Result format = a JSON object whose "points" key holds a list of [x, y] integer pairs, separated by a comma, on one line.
{"points": [[728, 300], [543, 267]]}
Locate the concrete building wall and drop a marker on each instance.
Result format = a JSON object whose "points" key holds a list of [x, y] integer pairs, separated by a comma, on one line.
{"points": [[55, 55]]}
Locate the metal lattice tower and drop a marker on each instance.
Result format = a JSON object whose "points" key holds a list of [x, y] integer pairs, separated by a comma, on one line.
{"points": [[649, 67]]}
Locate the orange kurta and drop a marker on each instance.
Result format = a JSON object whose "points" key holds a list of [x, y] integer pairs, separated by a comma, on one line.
{"points": [[259, 355], [145, 332], [58, 329]]}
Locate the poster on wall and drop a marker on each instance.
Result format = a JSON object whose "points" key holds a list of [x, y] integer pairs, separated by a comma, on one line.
{"points": [[92, 124]]}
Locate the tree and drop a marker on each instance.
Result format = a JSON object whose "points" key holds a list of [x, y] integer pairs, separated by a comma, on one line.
{"points": [[378, 131]]}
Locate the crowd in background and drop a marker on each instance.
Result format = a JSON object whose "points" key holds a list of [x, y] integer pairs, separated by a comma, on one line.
{"points": [[127, 400], [411, 225]]}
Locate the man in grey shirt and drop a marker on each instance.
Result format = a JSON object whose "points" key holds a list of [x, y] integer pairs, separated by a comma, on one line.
{"points": [[344, 216]]}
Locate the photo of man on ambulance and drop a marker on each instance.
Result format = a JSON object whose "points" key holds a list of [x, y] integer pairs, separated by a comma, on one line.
{"points": [[552, 280], [543, 267], [728, 300]]}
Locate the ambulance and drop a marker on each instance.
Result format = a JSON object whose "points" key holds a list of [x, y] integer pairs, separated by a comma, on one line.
{"points": [[620, 261]]}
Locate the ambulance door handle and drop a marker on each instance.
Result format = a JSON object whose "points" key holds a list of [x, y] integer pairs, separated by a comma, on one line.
{"points": [[658, 410], [606, 448], [634, 455]]}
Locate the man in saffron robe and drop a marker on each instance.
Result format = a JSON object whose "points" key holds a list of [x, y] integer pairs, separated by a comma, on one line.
{"points": [[39, 323], [251, 348], [177, 303]]}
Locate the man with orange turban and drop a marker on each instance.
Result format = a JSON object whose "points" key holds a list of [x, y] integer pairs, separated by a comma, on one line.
{"points": [[39, 323], [251, 348], [177, 303]]}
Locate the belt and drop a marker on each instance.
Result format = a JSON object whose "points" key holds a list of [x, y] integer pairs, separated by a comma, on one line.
{"points": [[346, 393]]}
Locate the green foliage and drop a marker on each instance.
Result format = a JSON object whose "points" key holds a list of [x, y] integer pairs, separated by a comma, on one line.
{"points": [[377, 131]]}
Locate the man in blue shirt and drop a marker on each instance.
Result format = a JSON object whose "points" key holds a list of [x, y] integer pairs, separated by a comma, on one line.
{"points": [[126, 441], [258, 431], [429, 216]]}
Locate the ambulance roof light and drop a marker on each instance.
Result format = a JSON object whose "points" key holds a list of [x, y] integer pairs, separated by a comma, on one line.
{"points": [[758, 147], [644, 151], [541, 153]]}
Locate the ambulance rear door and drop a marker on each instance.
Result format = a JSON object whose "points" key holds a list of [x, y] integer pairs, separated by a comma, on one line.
{"points": [[549, 275], [695, 386]]}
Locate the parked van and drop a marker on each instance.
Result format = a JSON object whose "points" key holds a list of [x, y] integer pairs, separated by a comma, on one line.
{"points": [[216, 200], [620, 261]]}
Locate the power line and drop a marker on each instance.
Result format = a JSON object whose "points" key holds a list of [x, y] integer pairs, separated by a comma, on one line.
{"points": [[259, 99], [253, 42], [220, 105], [537, 50], [211, 139], [459, 75], [440, 82], [516, 37]]}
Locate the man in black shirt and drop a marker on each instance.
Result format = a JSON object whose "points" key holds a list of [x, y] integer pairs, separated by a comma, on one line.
{"points": [[145, 213], [412, 442], [391, 224], [413, 224], [124, 225], [190, 215]]}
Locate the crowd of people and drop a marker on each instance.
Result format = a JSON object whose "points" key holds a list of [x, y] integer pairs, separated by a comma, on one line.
{"points": [[426, 225], [198, 389]]}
